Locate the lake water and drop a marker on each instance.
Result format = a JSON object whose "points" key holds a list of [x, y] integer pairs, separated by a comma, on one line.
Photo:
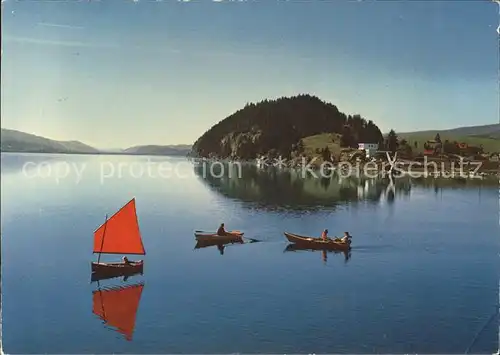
{"points": [[422, 276]]}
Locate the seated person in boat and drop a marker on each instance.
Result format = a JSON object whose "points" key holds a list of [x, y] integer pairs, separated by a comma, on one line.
{"points": [[324, 235], [126, 261], [346, 238], [221, 231]]}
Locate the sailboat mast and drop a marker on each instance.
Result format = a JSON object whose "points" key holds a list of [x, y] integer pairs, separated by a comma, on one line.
{"points": [[103, 235], [102, 303]]}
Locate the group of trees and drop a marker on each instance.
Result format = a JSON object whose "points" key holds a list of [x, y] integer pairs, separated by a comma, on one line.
{"points": [[392, 142], [357, 130], [279, 125]]}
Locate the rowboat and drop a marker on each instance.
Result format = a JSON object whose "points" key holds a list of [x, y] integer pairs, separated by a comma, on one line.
{"points": [[117, 307], [316, 243], [233, 236], [102, 271], [119, 234]]}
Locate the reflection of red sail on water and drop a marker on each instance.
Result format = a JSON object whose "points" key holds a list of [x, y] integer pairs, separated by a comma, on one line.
{"points": [[118, 306]]}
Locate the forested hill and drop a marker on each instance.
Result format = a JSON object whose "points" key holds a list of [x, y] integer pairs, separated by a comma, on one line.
{"points": [[277, 127]]}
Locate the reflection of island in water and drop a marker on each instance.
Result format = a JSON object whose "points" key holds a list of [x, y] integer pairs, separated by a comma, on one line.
{"points": [[274, 188]]}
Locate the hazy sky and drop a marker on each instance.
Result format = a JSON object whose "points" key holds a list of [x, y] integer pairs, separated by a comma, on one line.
{"points": [[123, 73]]}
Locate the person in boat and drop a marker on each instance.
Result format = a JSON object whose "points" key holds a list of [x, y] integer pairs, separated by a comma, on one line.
{"points": [[346, 238], [221, 231], [126, 261], [324, 235]]}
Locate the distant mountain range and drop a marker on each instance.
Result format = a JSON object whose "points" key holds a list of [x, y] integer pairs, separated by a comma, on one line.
{"points": [[16, 141], [491, 131], [20, 142], [179, 149]]}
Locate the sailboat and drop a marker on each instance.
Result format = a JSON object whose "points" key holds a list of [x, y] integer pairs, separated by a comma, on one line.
{"points": [[119, 234], [118, 306]]}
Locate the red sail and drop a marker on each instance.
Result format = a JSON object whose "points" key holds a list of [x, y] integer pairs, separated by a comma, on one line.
{"points": [[117, 307], [120, 234]]}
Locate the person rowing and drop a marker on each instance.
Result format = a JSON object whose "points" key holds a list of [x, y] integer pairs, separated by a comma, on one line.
{"points": [[221, 231], [324, 235], [346, 238]]}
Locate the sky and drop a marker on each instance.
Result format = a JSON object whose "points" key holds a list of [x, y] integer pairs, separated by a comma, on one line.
{"points": [[115, 74]]}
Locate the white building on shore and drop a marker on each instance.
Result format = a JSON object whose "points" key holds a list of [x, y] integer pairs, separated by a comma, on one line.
{"points": [[369, 148]]}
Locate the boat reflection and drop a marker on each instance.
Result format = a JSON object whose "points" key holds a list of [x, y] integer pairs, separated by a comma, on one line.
{"points": [[324, 253], [220, 246], [117, 307], [95, 277]]}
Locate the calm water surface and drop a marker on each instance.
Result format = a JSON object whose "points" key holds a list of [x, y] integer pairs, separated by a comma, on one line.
{"points": [[422, 275]]}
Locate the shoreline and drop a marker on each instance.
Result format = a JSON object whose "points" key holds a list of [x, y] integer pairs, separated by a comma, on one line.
{"points": [[431, 169]]}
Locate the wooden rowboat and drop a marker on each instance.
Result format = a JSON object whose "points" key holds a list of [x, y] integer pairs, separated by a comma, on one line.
{"points": [[233, 236], [316, 243], [102, 271]]}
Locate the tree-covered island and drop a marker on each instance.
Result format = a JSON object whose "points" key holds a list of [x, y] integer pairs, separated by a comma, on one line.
{"points": [[290, 127]]}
